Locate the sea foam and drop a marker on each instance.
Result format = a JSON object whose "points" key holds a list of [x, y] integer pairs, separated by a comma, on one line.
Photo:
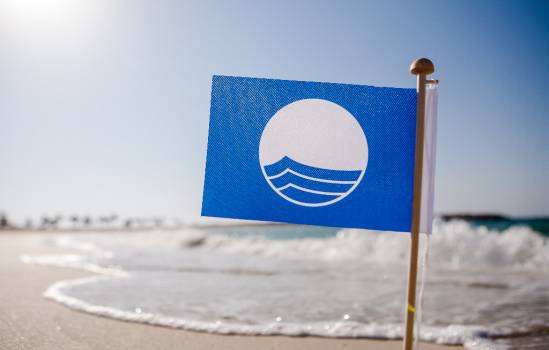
{"points": [[483, 286]]}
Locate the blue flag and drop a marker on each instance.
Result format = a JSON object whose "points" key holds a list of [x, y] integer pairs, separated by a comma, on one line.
{"points": [[311, 153]]}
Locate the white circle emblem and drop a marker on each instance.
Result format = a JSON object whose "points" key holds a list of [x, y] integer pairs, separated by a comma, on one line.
{"points": [[313, 152]]}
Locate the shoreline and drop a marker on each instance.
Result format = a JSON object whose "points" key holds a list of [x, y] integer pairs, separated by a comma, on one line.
{"points": [[29, 321]]}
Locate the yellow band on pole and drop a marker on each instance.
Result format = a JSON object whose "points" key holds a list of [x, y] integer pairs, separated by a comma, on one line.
{"points": [[411, 308]]}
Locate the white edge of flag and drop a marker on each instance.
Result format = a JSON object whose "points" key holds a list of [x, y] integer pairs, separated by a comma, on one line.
{"points": [[429, 159]]}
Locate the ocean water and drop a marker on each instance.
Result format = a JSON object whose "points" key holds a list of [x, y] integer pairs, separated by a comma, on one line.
{"points": [[485, 287]]}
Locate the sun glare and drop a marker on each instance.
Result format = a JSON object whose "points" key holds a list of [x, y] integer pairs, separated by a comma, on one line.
{"points": [[42, 12]]}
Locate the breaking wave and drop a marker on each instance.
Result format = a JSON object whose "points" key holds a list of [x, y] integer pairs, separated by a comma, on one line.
{"points": [[486, 289]]}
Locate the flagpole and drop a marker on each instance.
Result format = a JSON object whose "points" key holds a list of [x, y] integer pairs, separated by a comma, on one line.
{"points": [[421, 68]]}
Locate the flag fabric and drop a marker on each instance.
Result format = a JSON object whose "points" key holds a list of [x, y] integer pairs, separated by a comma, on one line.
{"points": [[429, 159], [311, 153]]}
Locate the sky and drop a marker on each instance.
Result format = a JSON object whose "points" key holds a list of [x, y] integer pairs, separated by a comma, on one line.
{"points": [[104, 104]]}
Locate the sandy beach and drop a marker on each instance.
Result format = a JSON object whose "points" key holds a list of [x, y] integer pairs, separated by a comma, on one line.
{"points": [[28, 321]]}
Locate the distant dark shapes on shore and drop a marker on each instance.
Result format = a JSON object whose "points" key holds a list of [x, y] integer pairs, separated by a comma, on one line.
{"points": [[86, 222], [499, 222], [50, 222], [75, 220], [154, 222], [4, 222], [474, 217], [109, 219]]}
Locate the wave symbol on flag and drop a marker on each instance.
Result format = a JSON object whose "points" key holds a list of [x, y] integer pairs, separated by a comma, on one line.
{"points": [[309, 185]]}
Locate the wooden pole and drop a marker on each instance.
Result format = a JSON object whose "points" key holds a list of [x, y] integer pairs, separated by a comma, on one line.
{"points": [[420, 67]]}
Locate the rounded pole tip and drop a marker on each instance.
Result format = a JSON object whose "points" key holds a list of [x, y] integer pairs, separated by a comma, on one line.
{"points": [[422, 66]]}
